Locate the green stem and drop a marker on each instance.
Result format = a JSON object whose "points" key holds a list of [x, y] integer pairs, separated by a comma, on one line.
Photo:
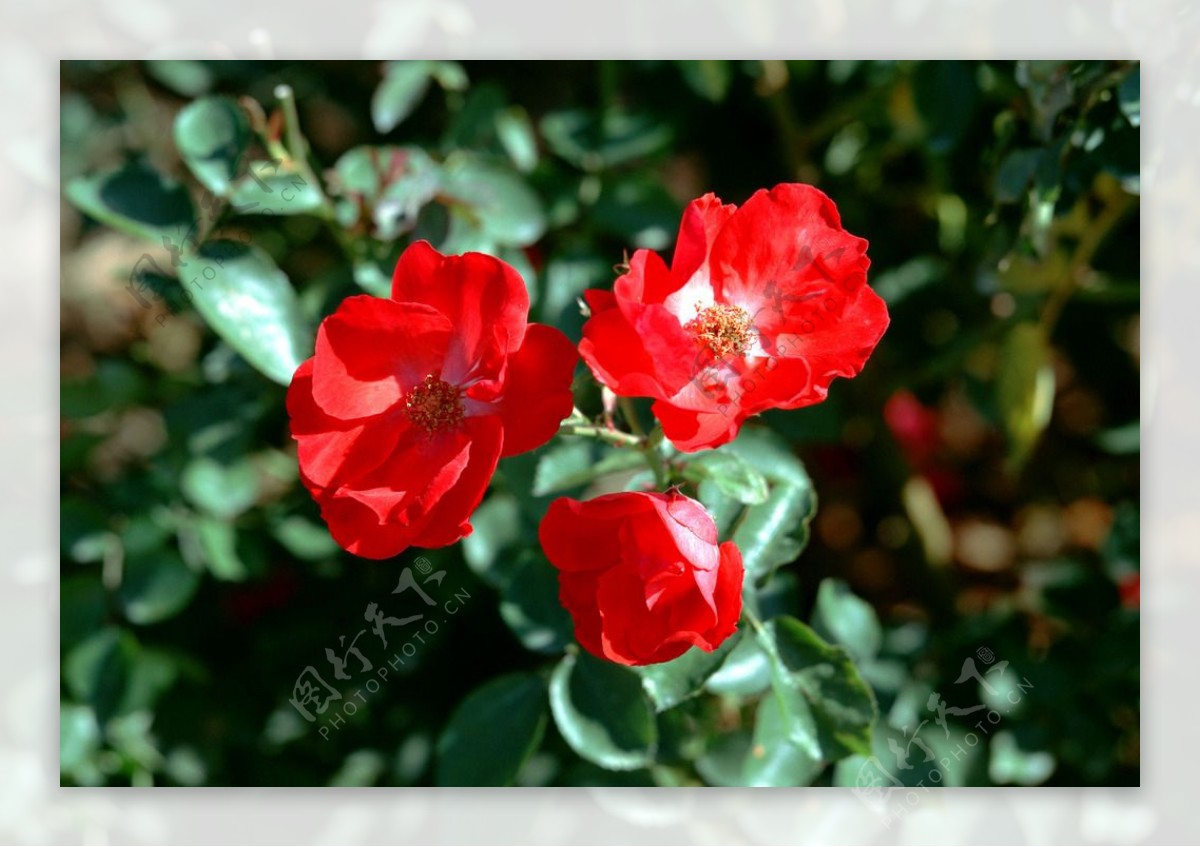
{"points": [[600, 433], [626, 404], [297, 145], [654, 458]]}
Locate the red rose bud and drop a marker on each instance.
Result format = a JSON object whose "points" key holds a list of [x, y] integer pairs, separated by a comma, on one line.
{"points": [[762, 308], [642, 575], [408, 403]]}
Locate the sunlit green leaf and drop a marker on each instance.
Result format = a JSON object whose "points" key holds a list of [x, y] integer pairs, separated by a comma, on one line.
{"points": [[847, 620], [1025, 388], [774, 757], [137, 199], [403, 87], [670, 683], [827, 708], [212, 136], [733, 475], [518, 138], [222, 490], [274, 188], [250, 303], [602, 712]]}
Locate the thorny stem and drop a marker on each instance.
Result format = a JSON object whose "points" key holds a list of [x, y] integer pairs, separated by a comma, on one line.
{"points": [[600, 433]]}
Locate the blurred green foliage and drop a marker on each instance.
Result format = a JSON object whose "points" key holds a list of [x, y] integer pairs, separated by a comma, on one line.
{"points": [[975, 551]]}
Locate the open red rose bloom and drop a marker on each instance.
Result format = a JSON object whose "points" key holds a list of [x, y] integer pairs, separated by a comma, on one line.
{"points": [[762, 308], [642, 575], [408, 403]]}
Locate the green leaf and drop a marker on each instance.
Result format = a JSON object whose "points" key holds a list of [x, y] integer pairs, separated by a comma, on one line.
{"points": [[500, 206], [271, 189], [79, 738], [1015, 174], [670, 683], [250, 303], [566, 465], [518, 138], [774, 533], [156, 587], [224, 491], [493, 732], [745, 672], [530, 606], [97, 671], [732, 475], [1129, 96], [723, 508], [403, 87], [827, 707], [212, 135], [593, 143], [774, 758], [305, 539], [848, 620], [724, 762], [218, 541], [895, 284], [1010, 765], [1124, 440], [360, 769], [710, 78], [183, 76], [603, 713], [1025, 389], [136, 199], [496, 525]]}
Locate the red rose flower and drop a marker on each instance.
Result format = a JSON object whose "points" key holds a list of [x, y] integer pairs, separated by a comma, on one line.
{"points": [[642, 575], [762, 307], [408, 403]]}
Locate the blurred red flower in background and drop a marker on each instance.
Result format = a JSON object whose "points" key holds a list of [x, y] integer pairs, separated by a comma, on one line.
{"points": [[408, 403], [762, 307]]}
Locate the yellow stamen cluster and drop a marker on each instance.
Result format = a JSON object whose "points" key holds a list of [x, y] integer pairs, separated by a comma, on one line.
{"points": [[434, 405], [724, 330]]}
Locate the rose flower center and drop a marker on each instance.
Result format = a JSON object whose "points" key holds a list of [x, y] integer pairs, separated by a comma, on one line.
{"points": [[724, 330], [434, 405]]}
